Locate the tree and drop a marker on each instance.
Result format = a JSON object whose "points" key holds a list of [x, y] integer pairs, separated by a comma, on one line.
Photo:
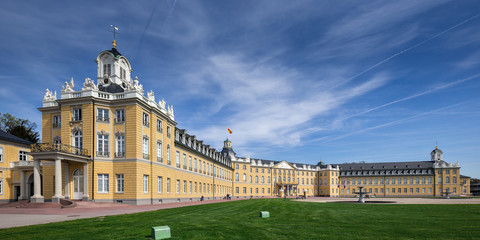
{"points": [[19, 127]]}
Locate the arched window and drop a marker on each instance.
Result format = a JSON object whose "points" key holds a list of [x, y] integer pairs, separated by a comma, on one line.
{"points": [[245, 177], [236, 177], [78, 139]]}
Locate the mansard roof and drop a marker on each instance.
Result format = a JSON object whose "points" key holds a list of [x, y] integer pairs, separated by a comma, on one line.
{"points": [[12, 138], [112, 88], [115, 52], [385, 166]]}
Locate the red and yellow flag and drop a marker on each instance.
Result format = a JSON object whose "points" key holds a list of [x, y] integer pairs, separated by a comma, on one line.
{"points": [[229, 131]]}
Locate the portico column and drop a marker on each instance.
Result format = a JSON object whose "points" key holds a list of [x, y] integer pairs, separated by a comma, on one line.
{"points": [[85, 182], [58, 181], [22, 186], [37, 188], [67, 181]]}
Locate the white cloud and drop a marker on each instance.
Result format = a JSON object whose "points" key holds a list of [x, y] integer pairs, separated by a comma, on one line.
{"points": [[266, 102]]}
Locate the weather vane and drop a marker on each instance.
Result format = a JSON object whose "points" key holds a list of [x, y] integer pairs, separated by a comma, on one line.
{"points": [[115, 29]]}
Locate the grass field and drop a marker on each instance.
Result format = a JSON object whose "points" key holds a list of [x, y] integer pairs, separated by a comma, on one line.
{"points": [[289, 220]]}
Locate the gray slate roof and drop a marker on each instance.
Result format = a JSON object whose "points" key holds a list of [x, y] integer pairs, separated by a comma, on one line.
{"points": [[112, 88], [385, 166], [12, 138]]}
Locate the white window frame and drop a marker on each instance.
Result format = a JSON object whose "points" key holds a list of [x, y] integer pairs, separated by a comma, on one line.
{"points": [[177, 159], [103, 145], [168, 185], [103, 115], [190, 163], [184, 161], [78, 139], [1, 154], [120, 145], [159, 151], [119, 115], [145, 144], [145, 183], [146, 119], [159, 184], [168, 154], [178, 186], [102, 183], [120, 183], [77, 114], [22, 155], [159, 126], [57, 121]]}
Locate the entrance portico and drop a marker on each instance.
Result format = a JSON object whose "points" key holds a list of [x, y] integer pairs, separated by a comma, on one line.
{"points": [[286, 189], [60, 154]]}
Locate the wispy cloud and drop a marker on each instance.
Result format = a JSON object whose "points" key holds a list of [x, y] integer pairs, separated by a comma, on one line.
{"points": [[399, 121], [265, 102]]}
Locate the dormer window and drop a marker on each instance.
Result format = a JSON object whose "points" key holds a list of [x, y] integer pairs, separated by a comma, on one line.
{"points": [[107, 69]]}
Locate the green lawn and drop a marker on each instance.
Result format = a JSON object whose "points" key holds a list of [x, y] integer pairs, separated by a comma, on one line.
{"points": [[289, 220]]}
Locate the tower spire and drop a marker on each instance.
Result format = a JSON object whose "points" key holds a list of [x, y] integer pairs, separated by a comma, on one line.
{"points": [[115, 29]]}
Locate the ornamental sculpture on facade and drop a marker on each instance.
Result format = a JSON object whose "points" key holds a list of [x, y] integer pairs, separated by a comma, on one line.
{"points": [[68, 86], [49, 95]]}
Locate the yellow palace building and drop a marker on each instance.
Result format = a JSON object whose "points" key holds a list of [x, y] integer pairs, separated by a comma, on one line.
{"points": [[106, 141]]}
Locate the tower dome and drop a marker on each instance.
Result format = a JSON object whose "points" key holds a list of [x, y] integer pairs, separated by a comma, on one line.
{"points": [[113, 70], [227, 150], [436, 155]]}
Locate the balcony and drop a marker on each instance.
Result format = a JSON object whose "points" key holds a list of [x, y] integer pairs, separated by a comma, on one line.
{"points": [[159, 159], [58, 147], [22, 164], [103, 154], [120, 154]]}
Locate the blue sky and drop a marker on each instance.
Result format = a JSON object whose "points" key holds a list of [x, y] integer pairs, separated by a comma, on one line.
{"points": [[302, 81]]}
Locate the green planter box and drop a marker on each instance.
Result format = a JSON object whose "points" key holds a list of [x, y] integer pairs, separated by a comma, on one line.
{"points": [[161, 232], [264, 214]]}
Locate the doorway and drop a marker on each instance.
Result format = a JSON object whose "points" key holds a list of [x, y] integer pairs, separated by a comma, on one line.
{"points": [[77, 184], [30, 186]]}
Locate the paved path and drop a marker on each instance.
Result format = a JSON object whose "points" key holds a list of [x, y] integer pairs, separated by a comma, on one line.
{"points": [[399, 200], [16, 217]]}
